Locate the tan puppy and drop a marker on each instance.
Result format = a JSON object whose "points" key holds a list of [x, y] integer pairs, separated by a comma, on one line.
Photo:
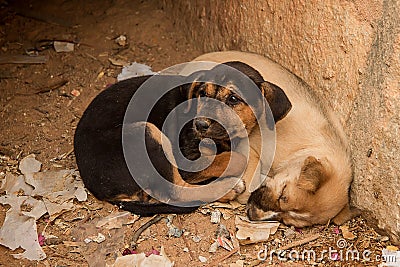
{"points": [[311, 173]]}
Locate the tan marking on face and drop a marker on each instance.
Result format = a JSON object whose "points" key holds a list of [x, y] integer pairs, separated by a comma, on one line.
{"points": [[247, 116], [222, 93], [210, 89]]}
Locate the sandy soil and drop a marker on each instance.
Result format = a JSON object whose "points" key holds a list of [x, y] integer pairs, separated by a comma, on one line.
{"points": [[41, 105]]}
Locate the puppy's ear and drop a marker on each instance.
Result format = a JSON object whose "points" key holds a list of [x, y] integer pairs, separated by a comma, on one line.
{"points": [[347, 213], [278, 102], [312, 175], [191, 87]]}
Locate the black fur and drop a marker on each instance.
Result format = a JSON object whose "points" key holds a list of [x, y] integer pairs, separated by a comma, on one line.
{"points": [[98, 144]]}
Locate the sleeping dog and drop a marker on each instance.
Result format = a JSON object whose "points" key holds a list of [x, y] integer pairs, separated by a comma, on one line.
{"points": [[312, 171], [108, 143]]}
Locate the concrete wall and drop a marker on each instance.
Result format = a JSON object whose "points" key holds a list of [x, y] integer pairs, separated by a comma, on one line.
{"points": [[349, 51]]}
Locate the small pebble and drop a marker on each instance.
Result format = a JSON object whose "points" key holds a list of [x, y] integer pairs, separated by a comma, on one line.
{"points": [[202, 259], [99, 238], [121, 40], [215, 216], [75, 92], [196, 238], [213, 248]]}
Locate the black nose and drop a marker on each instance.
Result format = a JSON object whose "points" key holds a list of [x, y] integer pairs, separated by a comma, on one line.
{"points": [[202, 125]]}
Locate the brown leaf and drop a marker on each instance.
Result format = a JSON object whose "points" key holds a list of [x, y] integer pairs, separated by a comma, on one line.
{"points": [[346, 233], [253, 232]]}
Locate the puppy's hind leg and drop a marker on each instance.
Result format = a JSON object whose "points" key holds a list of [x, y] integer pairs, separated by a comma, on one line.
{"points": [[150, 165]]}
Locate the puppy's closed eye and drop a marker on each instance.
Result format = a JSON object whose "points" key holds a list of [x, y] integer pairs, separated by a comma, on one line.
{"points": [[283, 198]]}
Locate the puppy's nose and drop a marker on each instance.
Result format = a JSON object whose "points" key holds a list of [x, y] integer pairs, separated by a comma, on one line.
{"points": [[202, 125]]}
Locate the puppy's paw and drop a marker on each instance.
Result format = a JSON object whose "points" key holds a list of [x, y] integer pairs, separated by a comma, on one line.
{"points": [[239, 188]]}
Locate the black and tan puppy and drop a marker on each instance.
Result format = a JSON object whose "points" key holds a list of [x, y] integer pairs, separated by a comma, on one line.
{"points": [[107, 171]]}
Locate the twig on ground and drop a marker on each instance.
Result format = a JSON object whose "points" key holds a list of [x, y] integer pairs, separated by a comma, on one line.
{"points": [[139, 231], [43, 17], [300, 242], [192, 257], [47, 89], [22, 59], [221, 259]]}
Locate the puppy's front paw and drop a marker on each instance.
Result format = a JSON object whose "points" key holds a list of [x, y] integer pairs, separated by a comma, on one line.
{"points": [[239, 188]]}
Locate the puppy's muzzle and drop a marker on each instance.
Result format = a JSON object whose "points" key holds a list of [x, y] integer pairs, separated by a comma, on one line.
{"points": [[256, 214], [261, 207], [202, 124]]}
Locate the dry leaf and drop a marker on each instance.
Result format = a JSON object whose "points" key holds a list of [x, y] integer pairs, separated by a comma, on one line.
{"points": [[253, 232], [134, 70], [60, 46], [118, 61], [29, 164], [56, 209], [346, 233], [95, 253], [72, 243], [116, 220], [140, 260], [19, 230], [14, 185], [57, 190]]}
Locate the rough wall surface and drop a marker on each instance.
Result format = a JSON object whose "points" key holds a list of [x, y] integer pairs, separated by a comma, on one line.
{"points": [[349, 51]]}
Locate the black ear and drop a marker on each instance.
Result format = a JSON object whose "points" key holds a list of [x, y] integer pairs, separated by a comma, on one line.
{"points": [[278, 102], [191, 85], [250, 72]]}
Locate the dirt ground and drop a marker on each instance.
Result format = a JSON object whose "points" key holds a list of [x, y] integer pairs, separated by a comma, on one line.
{"points": [[41, 105]]}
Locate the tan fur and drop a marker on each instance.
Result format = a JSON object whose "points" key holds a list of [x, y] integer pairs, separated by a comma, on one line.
{"points": [[310, 132], [223, 165]]}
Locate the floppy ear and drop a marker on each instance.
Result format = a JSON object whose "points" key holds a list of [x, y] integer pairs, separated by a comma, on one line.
{"points": [[278, 102], [190, 88], [312, 175]]}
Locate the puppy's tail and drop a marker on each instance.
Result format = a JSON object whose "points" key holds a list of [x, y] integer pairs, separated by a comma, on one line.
{"points": [[150, 209]]}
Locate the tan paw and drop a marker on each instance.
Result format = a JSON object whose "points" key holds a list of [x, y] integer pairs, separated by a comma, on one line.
{"points": [[239, 188]]}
